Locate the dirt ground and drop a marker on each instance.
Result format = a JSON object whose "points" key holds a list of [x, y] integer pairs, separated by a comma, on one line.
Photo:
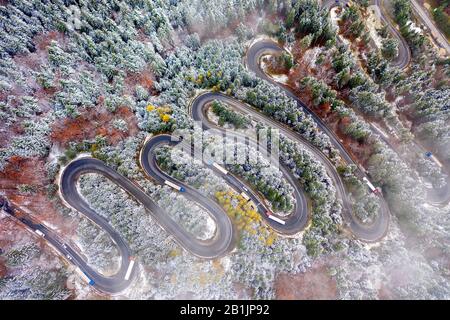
{"points": [[94, 122], [314, 284]]}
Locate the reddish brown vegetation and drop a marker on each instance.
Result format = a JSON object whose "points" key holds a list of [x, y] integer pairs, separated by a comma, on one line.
{"points": [[275, 65], [37, 58], [30, 171], [33, 61], [358, 150], [384, 293], [42, 41], [440, 76], [313, 284], [2, 270], [205, 32], [144, 79], [23, 171], [92, 123], [11, 234]]}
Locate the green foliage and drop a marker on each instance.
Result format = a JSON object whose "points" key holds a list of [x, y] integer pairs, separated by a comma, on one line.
{"points": [[366, 208], [389, 48], [402, 11], [35, 283], [27, 188], [353, 21], [310, 19], [285, 60], [433, 112], [22, 255], [378, 68], [442, 19], [363, 3], [76, 148], [227, 115], [322, 93]]}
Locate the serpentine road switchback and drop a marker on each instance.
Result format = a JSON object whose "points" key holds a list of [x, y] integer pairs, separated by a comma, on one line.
{"points": [[370, 233], [404, 53], [224, 239], [439, 196]]}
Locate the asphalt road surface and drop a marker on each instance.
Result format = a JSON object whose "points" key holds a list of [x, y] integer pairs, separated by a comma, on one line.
{"points": [[435, 196], [294, 222], [224, 238], [369, 233], [113, 284], [404, 53], [436, 33], [221, 243]]}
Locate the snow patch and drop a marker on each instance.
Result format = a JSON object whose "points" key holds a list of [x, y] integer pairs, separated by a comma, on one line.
{"points": [[373, 23], [281, 78]]}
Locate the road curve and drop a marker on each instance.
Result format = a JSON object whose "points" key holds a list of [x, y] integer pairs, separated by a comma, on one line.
{"points": [[369, 233], [70, 193], [294, 222], [435, 196], [436, 33], [403, 57], [222, 242], [404, 52], [112, 284]]}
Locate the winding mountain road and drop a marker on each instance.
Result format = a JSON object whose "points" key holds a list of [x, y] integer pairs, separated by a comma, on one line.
{"points": [[222, 242], [404, 52], [370, 233], [427, 20], [435, 196], [403, 57], [224, 238], [297, 220]]}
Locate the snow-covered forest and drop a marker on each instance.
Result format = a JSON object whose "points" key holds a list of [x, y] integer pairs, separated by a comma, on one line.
{"points": [[96, 78]]}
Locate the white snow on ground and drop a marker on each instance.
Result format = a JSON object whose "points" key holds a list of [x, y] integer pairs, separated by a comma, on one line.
{"points": [[334, 22], [75, 282], [55, 153], [414, 27], [311, 55], [399, 99], [373, 22], [50, 225], [114, 265], [210, 229], [226, 263], [281, 78]]}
